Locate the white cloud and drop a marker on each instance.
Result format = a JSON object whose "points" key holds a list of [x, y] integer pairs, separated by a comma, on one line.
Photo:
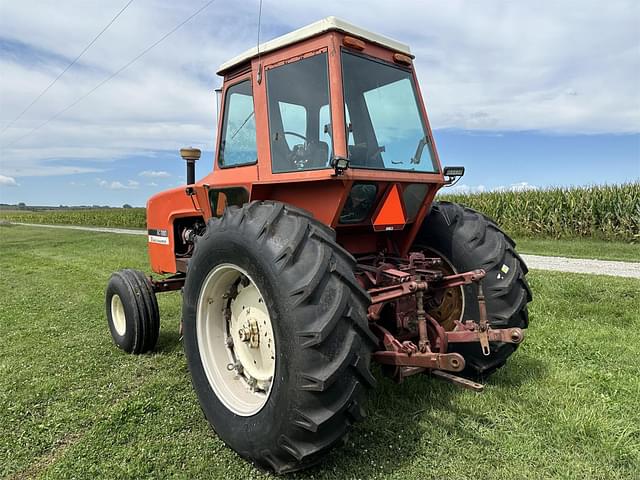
{"points": [[463, 189], [155, 174], [8, 181], [516, 187], [472, 189], [482, 66], [116, 185]]}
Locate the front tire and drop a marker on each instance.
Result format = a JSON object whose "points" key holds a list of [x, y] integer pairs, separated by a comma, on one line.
{"points": [[318, 333], [132, 311], [467, 240]]}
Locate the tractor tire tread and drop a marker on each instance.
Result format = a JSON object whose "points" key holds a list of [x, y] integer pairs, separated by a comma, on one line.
{"points": [[331, 334], [151, 314]]}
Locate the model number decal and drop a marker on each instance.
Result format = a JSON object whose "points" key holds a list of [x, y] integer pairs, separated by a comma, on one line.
{"points": [[158, 233], [160, 236]]}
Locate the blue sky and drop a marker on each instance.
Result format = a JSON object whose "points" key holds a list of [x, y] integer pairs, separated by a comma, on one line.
{"points": [[518, 159], [524, 95]]}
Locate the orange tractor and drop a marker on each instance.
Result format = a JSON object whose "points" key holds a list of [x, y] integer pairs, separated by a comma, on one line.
{"points": [[315, 247]]}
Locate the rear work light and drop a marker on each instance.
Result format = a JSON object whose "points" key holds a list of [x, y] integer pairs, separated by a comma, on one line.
{"points": [[340, 164], [453, 174]]}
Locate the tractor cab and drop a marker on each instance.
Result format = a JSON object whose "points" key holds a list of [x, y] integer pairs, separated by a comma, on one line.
{"points": [[328, 118], [377, 120]]}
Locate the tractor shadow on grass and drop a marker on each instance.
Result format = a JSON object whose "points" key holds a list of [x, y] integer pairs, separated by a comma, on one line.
{"points": [[169, 341], [521, 369], [422, 417]]}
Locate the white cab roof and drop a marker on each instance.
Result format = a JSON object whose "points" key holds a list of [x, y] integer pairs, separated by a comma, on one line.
{"points": [[316, 28]]}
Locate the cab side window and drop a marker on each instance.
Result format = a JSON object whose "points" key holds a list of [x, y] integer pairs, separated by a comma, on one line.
{"points": [[221, 198], [238, 145]]}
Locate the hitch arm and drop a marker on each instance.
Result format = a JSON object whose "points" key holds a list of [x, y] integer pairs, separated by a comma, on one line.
{"points": [[481, 331], [504, 335], [453, 362], [411, 287], [459, 279], [393, 292], [406, 354]]}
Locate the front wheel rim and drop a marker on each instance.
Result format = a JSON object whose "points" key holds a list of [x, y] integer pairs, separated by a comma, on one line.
{"points": [[235, 339], [117, 315]]}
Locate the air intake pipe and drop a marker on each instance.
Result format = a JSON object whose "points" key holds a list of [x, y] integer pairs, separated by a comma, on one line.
{"points": [[191, 156]]}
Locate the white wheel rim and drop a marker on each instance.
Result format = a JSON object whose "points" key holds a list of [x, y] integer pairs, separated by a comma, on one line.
{"points": [[235, 339], [118, 316]]}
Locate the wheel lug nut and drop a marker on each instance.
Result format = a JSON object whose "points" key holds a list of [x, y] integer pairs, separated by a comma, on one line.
{"points": [[244, 334], [239, 368]]}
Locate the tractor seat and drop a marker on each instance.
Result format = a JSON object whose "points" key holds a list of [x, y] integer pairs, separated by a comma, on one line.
{"points": [[317, 154], [304, 156]]}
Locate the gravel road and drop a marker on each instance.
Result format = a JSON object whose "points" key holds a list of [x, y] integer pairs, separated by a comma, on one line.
{"points": [[127, 231], [537, 262], [583, 265]]}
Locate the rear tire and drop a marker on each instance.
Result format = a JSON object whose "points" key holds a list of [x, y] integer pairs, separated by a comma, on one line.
{"points": [[317, 312], [468, 240], [132, 311]]}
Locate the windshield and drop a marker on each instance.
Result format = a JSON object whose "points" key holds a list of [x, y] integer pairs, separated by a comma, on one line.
{"points": [[385, 129]]}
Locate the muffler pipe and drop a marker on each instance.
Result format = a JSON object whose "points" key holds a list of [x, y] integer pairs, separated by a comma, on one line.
{"points": [[191, 156]]}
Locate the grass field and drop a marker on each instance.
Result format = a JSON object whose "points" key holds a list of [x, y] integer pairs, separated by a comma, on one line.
{"points": [[72, 405], [580, 248]]}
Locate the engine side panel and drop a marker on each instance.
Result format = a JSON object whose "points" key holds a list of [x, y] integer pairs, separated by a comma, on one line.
{"points": [[163, 210]]}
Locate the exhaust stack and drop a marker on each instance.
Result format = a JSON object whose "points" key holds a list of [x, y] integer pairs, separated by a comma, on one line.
{"points": [[191, 156]]}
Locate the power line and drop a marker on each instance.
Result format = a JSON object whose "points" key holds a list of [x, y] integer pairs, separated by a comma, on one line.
{"points": [[113, 75], [67, 68]]}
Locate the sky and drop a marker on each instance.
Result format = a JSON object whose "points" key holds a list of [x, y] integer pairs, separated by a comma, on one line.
{"points": [[523, 94]]}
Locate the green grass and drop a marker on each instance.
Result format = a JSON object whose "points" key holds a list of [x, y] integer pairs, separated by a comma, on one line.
{"points": [[72, 405], [610, 212], [580, 248]]}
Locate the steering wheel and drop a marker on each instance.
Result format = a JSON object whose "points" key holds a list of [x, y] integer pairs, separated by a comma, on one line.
{"points": [[371, 158], [295, 135]]}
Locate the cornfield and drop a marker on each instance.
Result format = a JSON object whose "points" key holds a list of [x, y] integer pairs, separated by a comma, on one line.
{"points": [[605, 212], [103, 217], [610, 212]]}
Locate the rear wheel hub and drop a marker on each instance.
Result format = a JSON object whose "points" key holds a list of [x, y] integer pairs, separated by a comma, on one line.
{"points": [[236, 340]]}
